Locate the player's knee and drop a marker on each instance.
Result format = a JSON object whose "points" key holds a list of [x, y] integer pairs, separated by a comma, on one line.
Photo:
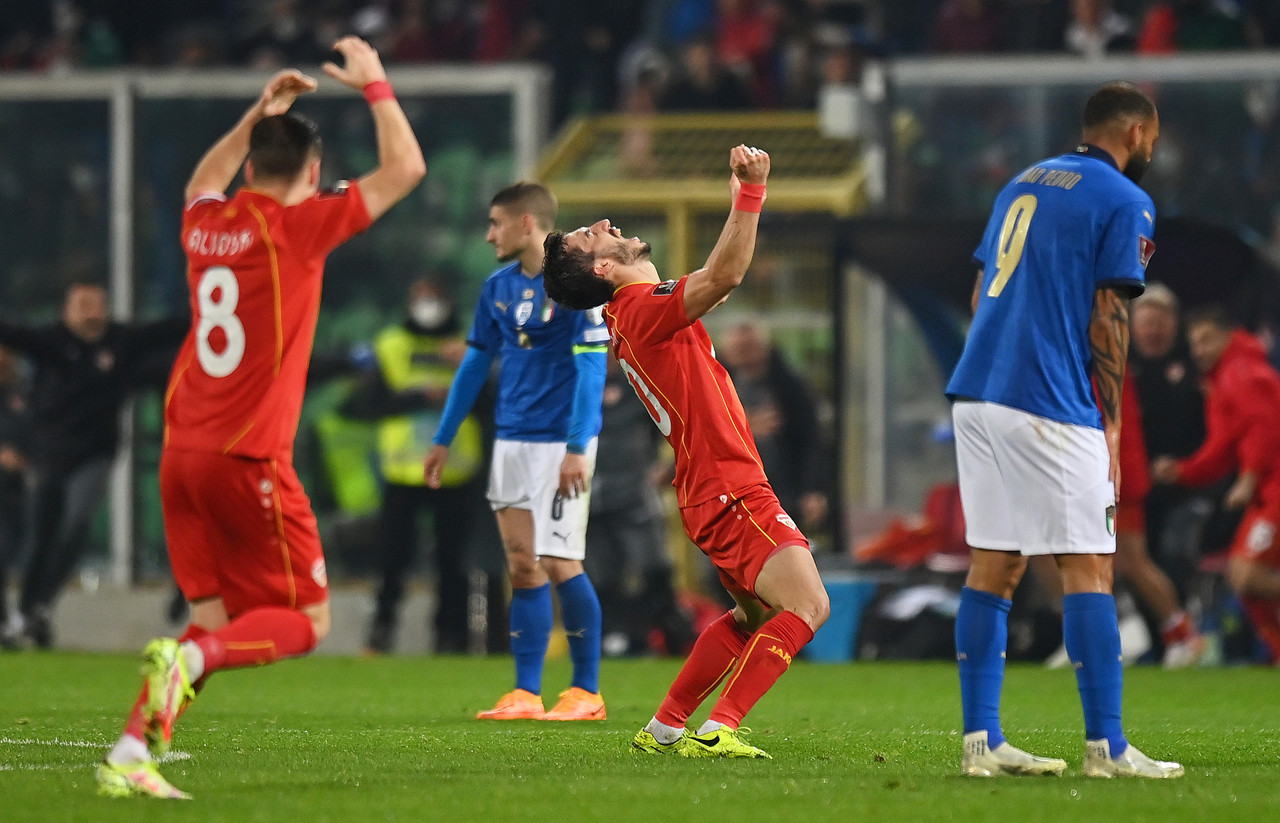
{"points": [[1243, 577], [814, 609], [320, 624]]}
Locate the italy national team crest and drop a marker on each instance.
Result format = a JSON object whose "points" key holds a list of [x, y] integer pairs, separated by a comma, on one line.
{"points": [[1111, 520], [548, 310]]}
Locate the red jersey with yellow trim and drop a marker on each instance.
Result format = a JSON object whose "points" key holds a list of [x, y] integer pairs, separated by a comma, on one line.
{"points": [[254, 271], [671, 365]]}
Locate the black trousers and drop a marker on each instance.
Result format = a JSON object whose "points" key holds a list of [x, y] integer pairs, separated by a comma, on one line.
{"points": [[452, 517], [61, 506]]}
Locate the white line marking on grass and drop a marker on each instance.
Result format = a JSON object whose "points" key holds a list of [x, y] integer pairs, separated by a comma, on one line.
{"points": [[75, 744]]}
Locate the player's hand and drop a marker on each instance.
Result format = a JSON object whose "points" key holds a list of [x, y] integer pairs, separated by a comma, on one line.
{"points": [[1112, 435], [362, 64], [749, 165], [282, 89], [573, 475], [1241, 491], [433, 467], [1164, 470]]}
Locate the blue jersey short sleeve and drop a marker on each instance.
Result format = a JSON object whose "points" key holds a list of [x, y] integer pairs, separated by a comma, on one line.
{"points": [[534, 339], [1059, 231]]}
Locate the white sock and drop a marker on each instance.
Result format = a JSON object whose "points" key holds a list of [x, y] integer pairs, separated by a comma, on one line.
{"points": [[129, 749], [709, 727], [194, 658], [664, 734]]}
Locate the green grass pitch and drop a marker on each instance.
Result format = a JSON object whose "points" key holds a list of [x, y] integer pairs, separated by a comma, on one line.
{"points": [[389, 739]]}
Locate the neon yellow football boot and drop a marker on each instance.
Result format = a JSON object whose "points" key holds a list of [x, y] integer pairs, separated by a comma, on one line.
{"points": [[646, 743], [168, 691], [723, 742], [135, 780]]}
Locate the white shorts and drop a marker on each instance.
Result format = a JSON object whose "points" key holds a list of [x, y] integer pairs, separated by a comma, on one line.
{"points": [[1032, 485], [527, 476]]}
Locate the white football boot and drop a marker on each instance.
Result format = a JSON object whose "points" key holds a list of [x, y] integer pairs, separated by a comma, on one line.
{"points": [[1098, 762], [980, 760]]}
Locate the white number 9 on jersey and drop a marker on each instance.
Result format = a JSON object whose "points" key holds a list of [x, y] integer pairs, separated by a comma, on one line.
{"points": [[217, 295]]}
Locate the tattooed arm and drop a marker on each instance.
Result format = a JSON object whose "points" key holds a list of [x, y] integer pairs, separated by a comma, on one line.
{"points": [[1109, 342]]}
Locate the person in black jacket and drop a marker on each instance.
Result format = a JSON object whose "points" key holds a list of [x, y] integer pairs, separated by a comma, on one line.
{"points": [[13, 466], [86, 366]]}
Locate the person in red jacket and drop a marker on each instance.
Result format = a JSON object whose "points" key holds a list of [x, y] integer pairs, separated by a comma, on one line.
{"points": [[1243, 422], [1182, 644]]}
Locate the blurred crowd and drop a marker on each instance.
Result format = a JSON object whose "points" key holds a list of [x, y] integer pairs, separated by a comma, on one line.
{"points": [[680, 54]]}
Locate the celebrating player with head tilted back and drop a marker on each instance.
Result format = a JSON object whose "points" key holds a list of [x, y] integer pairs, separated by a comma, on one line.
{"points": [[242, 538], [726, 504], [1066, 247]]}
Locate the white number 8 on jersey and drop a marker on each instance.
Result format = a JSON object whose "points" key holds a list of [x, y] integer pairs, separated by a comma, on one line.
{"points": [[219, 314]]}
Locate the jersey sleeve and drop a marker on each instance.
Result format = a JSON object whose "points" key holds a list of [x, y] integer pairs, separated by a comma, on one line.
{"points": [[203, 203], [650, 312], [591, 333], [320, 224], [1127, 247], [485, 334]]}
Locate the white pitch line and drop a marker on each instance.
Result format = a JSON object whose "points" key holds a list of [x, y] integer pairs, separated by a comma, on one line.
{"points": [[75, 744]]}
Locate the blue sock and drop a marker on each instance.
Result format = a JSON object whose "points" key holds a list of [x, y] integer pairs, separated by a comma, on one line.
{"points": [[580, 609], [530, 634], [982, 634], [1092, 635]]}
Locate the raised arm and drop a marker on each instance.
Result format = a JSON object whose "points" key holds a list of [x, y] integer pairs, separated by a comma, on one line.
{"points": [[1109, 342], [710, 285], [400, 163], [222, 162]]}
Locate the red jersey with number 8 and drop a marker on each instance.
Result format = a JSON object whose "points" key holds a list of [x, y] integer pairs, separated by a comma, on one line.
{"points": [[672, 366], [254, 271]]}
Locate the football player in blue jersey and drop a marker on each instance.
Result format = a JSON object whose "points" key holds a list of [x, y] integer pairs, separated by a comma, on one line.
{"points": [[550, 384], [1065, 249]]}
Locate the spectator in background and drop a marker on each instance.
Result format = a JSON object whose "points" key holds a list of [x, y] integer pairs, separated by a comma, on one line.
{"points": [[417, 360], [1172, 26], [627, 553], [703, 83], [781, 413], [1243, 410], [969, 26], [1097, 29], [1168, 388], [14, 423], [86, 367], [746, 41]]}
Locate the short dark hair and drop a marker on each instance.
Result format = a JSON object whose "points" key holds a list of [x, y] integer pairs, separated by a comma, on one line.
{"points": [[568, 275], [529, 198], [281, 145], [1116, 101], [1213, 314]]}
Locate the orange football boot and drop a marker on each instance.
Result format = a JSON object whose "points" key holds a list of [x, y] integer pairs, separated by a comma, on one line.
{"points": [[577, 704], [516, 705]]}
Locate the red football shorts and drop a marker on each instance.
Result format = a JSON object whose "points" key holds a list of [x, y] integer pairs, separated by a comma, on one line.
{"points": [[740, 534], [1255, 540], [241, 529]]}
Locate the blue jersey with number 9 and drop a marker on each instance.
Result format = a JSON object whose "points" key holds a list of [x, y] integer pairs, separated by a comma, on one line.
{"points": [[1059, 231]]}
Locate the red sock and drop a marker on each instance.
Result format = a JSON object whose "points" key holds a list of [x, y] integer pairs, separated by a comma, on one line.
{"points": [[1179, 632], [768, 655], [257, 637], [1266, 622], [712, 658]]}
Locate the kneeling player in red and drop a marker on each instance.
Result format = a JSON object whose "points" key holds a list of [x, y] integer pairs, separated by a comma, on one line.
{"points": [[726, 504], [242, 538]]}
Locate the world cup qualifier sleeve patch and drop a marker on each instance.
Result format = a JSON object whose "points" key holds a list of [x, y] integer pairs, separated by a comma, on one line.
{"points": [[1146, 248]]}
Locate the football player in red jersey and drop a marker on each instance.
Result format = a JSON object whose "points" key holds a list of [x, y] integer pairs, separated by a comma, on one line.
{"points": [[726, 504], [242, 537]]}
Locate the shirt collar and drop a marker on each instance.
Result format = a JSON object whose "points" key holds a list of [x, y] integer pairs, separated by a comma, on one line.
{"points": [[1090, 150]]}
